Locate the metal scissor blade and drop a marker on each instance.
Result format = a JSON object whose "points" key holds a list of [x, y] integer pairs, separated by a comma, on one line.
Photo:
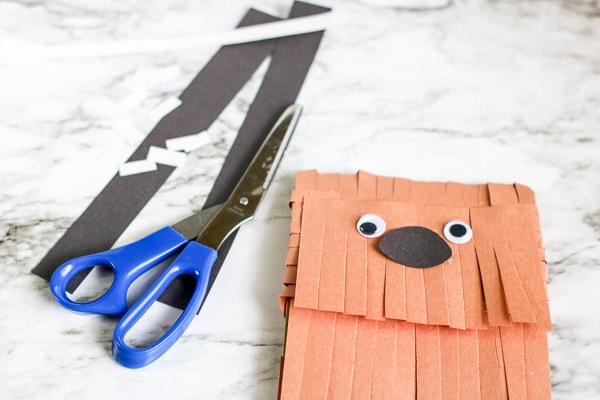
{"points": [[191, 226], [243, 202]]}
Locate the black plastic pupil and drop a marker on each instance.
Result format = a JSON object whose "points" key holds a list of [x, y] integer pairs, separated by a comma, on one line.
{"points": [[368, 228], [458, 230]]}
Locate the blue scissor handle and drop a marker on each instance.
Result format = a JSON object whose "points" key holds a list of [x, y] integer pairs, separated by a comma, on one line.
{"points": [[127, 262], [196, 260]]}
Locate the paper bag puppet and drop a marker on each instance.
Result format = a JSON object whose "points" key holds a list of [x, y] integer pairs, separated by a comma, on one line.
{"points": [[397, 289]]}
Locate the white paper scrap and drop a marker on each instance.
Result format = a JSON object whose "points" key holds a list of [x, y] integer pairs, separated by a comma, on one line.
{"points": [[269, 30], [126, 127], [166, 157], [111, 151], [133, 99], [163, 74], [139, 80], [144, 77], [188, 143], [164, 108], [136, 167]]}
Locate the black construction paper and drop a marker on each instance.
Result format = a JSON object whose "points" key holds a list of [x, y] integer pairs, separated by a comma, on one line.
{"points": [[109, 214], [290, 62], [415, 246]]}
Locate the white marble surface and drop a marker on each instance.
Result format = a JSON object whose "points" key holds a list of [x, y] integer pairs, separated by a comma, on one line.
{"points": [[470, 91]]}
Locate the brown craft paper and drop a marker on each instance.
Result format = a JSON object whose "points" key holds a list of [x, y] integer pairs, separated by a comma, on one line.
{"points": [[361, 325]]}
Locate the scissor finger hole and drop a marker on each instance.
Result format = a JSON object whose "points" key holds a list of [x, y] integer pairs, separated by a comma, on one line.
{"points": [[95, 282], [143, 282], [159, 317]]}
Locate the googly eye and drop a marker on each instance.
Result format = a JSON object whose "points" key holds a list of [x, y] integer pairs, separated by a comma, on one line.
{"points": [[458, 231], [370, 225]]}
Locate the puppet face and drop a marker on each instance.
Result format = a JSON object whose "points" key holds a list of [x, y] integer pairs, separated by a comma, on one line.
{"points": [[465, 256], [414, 290]]}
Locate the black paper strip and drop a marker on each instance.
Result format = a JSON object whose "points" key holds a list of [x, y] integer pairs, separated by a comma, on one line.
{"points": [[111, 212], [283, 80], [291, 59]]}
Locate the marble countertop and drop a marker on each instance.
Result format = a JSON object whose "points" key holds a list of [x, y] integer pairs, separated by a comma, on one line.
{"points": [[468, 91]]}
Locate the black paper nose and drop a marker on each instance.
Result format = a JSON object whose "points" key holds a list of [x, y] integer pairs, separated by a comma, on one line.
{"points": [[415, 246]]}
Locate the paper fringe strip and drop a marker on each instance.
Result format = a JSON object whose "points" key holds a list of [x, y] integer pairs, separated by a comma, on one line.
{"points": [[363, 326]]}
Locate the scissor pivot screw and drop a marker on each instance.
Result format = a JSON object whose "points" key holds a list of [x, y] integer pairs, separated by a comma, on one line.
{"points": [[244, 201]]}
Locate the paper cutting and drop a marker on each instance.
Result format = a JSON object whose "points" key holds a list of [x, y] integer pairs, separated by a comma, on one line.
{"points": [[398, 289], [101, 224]]}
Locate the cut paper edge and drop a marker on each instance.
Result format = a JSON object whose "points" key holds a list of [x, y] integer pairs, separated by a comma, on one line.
{"points": [[245, 34], [128, 130], [144, 77], [188, 143], [137, 167], [329, 355], [472, 327], [164, 108], [451, 296], [166, 157], [110, 153], [162, 74], [133, 99]]}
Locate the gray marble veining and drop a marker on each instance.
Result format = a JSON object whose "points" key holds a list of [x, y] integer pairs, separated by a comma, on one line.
{"points": [[470, 91]]}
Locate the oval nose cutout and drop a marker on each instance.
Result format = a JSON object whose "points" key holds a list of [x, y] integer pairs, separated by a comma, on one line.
{"points": [[415, 246]]}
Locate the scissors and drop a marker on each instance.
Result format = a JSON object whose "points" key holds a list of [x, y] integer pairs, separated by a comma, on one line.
{"points": [[194, 241]]}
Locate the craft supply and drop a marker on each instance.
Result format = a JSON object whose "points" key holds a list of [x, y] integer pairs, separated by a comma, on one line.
{"points": [[166, 157], [290, 61], [149, 77], [137, 167], [101, 224], [394, 315], [128, 129], [109, 214], [133, 99], [194, 241], [189, 142], [164, 108], [245, 34], [109, 155]]}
